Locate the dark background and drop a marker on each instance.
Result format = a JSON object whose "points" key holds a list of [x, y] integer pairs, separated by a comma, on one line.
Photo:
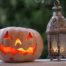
{"points": [[33, 14]]}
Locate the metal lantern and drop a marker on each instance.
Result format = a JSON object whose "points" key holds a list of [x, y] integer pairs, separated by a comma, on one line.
{"points": [[56, 34]]}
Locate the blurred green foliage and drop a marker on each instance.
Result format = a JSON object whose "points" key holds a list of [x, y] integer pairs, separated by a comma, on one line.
{"points": [[28, 13]]}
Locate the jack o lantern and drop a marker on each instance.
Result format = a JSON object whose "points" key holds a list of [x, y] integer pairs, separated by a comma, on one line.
{"points": [[20, 44]]}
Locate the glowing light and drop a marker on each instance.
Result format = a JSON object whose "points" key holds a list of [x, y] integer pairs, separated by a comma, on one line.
{"points": [[7, 36], [6, 50], [29, 36], [18, 42], [55, 49], [22, 51], [13, 51], [29, 50], [62, 49]]}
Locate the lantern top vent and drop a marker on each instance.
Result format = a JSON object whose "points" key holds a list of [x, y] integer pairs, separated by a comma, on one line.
{"points": [[57, 23], [57, 5]]}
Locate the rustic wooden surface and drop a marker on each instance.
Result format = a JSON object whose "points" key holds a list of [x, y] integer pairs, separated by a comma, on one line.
{"points": [[45, 62]]}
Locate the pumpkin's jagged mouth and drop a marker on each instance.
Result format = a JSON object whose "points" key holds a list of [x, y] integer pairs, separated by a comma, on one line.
{"points": [[13, 51], [30, 50]]}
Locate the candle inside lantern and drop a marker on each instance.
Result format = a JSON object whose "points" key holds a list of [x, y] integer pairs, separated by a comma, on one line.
{"points": [[55, 49], [61, 49]]}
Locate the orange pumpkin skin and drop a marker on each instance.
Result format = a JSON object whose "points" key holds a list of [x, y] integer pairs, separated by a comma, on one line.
{"points": [[19, 44]]}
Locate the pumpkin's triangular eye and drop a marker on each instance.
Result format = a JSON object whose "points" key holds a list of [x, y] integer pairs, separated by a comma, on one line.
{"points": [[7, 36], [29, 36]]}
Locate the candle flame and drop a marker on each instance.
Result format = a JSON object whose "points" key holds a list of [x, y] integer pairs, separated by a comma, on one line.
{"points": [[61, 49], [55, 49]]}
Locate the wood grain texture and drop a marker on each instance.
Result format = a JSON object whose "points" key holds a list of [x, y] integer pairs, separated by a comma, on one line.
{"points": [[45, 62]]}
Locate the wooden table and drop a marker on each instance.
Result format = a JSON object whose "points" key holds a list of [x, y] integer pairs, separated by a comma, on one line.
{"points": [[38, 62]]}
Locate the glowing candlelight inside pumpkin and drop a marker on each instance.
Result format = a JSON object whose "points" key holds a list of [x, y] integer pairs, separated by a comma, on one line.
{"points": [[18, 42], [13, 51], [29, 50]]}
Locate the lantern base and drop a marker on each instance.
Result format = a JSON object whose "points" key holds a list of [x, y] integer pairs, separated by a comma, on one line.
{"points": [[58, 58], [52, 59]]}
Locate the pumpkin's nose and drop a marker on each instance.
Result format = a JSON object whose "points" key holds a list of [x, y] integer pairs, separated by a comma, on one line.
{"points": [[18, 42]]}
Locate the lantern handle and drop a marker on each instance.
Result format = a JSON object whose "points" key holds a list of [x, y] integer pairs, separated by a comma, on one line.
{"points": [[57, 3]]}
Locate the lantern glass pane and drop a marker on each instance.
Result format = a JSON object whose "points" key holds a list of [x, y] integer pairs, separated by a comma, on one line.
{"points": [[62, 40], [54, 45]]}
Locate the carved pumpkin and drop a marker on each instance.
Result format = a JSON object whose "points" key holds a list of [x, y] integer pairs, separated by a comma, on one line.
{"points": [[20, 44]]}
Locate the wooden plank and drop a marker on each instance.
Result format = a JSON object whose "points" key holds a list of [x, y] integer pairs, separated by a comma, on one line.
{"points": [[45, 62]]}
